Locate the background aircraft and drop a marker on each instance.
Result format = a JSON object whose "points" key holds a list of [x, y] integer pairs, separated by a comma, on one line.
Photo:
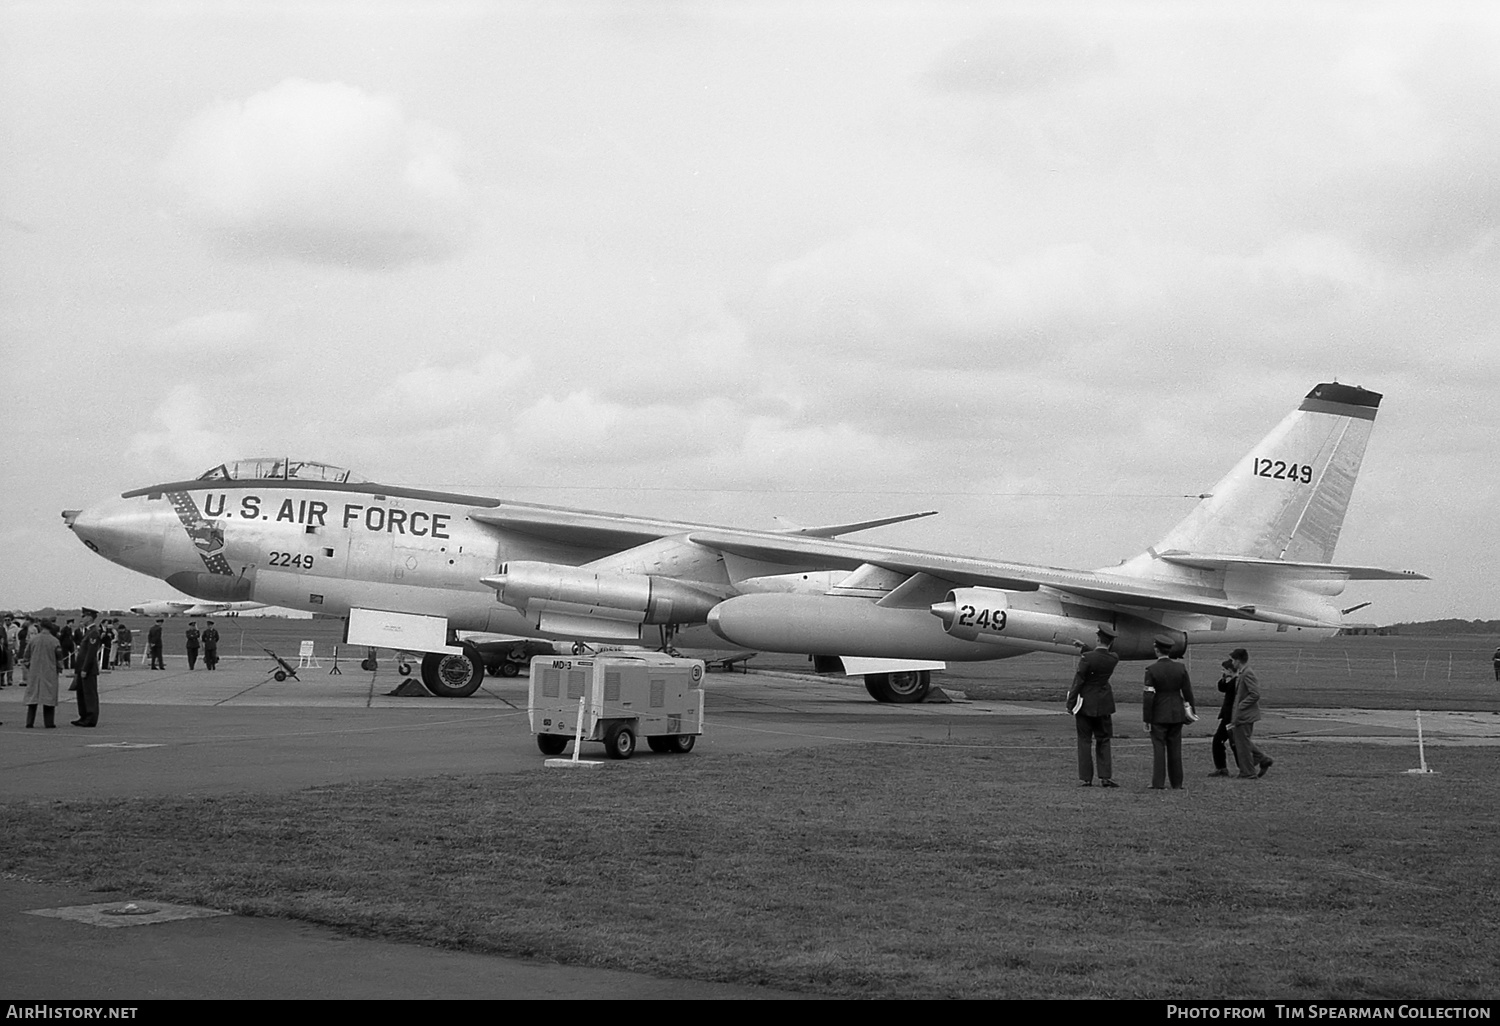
{"points": [[410, 568], [193, 607]]}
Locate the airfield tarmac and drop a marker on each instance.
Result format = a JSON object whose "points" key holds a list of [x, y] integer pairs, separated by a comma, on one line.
{"points": [[238, 730]]}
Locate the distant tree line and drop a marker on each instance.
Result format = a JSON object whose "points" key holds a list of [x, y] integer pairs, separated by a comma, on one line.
{"points": [[1445, 627]]}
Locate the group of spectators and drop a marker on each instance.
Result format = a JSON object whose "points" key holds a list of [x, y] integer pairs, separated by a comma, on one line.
{"points": [[116, 643], [1167, 705], [40, 649]]}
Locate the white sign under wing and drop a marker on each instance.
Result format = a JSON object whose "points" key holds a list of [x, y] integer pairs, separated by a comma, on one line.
{"points": [[411, 632]]}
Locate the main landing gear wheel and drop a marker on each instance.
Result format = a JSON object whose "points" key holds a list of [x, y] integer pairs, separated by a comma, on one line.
{"points": [[551, 744], [619, 741], [903, 688], [453, 676]]}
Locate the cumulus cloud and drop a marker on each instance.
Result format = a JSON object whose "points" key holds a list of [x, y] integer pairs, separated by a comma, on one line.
{"points": [[181, 439], [217, 330], [323, 172], [583, 429], [818, 454], [1016, 56], [899, 301], [442, 394]]}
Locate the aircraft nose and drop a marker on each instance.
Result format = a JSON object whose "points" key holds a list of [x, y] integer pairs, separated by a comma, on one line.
{"points": [[117, 529]]}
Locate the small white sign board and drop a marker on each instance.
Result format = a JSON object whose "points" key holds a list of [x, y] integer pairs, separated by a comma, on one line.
{"points": [[305, 657]]}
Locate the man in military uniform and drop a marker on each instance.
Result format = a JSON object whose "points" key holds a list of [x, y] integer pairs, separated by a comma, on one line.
{"points": [[107, 639], [86, 670], [1092, 702], [192, 644], [1166, 707], [211, 646], [153, 646]]}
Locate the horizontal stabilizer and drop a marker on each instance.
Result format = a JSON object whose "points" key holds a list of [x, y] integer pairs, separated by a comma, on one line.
{"points": [[1161, 598], [1290, 569]]}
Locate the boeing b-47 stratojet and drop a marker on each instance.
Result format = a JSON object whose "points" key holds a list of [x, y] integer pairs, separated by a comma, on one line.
{"points": [[410, 568]]}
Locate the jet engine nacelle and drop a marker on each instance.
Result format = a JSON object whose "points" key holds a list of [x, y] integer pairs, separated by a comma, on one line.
{"points": [[540, 588], [991, 615]]}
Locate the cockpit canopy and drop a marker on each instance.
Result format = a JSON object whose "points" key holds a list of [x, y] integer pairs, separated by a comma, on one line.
{"points": [[278, 468]]}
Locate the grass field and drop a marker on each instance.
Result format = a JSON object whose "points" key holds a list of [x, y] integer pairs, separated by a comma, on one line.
{"points": [[958, 870], [965, 869]]}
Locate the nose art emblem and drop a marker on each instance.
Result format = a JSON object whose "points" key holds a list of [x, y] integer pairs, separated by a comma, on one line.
{"points": [[207, 536]]}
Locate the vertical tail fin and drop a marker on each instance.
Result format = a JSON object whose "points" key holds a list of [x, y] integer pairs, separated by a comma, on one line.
{"points": [[1285, 500]]}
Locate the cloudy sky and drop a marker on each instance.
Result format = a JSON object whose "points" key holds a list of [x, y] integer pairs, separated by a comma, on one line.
{"points": [[1044, 268]]}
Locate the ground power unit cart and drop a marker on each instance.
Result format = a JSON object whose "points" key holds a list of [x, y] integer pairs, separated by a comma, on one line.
{"points": [[621, 698]]}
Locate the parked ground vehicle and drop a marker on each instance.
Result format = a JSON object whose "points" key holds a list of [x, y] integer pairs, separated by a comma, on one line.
{"points": [[620, 698]]}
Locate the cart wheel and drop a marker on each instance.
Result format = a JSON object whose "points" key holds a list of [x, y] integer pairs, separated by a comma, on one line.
{"points": [[659, 744], [509, 669], [619, 741], [281, 675], [404, 669], [551, 744], [681, 743]]}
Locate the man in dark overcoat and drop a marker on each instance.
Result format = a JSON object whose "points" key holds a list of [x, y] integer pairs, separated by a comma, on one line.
{"points": [[1165, 708], [107, 641], [67, 638], [1222, 736], [1092, 702], [86, 670], [153, 646], [211, 646]]}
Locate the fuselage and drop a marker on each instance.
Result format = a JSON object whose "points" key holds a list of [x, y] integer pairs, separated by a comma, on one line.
{"points": [[325, 548]]}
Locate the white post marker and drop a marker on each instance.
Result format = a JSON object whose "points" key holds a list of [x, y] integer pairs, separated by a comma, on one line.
{"points": [[1421, 750], [577, 747]]}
